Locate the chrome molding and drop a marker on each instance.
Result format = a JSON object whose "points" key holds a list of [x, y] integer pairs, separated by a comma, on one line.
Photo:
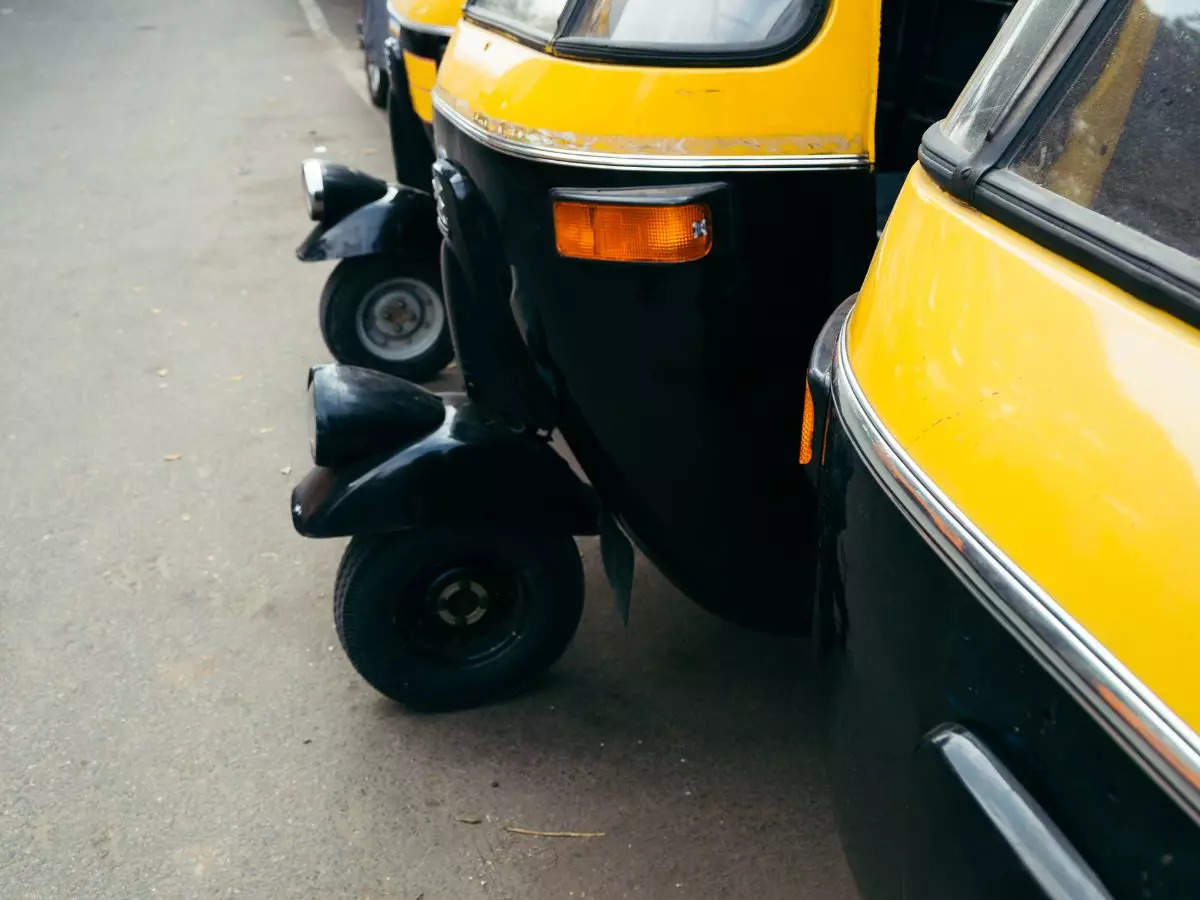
{"points": [[312, 176], [569, 149], [1159, 740], [421, 27]]}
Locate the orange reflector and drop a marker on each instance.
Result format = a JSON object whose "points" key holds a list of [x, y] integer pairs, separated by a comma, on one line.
{"points": [[622, 233], [807, 427]]}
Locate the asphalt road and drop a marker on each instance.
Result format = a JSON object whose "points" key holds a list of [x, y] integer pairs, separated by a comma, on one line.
{"points": [[176, 718]]}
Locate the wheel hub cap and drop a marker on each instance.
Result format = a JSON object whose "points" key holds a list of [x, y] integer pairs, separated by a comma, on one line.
{"points": [[400, 319], [463, 602], [397, 315]]}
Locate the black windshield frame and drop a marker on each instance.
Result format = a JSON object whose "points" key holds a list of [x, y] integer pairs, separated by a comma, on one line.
{"points": [[1154, 272], [746, 54], [513, 29]]}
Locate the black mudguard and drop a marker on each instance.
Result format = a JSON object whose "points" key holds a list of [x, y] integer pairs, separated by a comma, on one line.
{"points": [[468, 473], [400, 223]]}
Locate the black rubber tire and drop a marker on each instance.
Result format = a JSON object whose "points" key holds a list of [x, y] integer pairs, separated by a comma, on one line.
{"points": [[378, 94], [383, 577], [347, 286]]}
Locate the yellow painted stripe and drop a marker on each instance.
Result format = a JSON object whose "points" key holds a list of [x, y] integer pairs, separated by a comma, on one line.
{"points": [[1059, 413], [422, 73]]}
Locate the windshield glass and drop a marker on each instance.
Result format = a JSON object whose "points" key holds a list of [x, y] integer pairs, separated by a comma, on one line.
{"points": [[1032, 26], [1123, 140], [535, 16], [691, 22]]}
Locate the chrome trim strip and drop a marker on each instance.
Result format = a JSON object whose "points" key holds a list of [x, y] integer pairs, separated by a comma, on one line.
{"points": [[421, 27], [562, 149], [1158, 739], [1059, 870], [312, 174]]}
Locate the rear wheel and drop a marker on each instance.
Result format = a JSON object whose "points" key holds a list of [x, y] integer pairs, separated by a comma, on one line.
{"points": [[377, 84], [387, 315], [442, 619]]}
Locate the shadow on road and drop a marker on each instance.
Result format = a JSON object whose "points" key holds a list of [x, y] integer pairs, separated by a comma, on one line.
{"points": [[694, 745]]}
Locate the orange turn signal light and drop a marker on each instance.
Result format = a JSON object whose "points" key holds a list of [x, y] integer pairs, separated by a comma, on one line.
{"points": [[626, 233], [807, 427]]}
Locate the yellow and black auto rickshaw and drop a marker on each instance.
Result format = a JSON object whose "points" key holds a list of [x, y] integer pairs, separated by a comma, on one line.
{"points": [[420, 30], [382, 305], [1006, 427], [650, 209]]}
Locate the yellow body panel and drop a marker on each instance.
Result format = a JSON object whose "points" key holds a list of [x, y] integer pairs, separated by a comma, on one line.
{"points": [[444, 13], [421, 72], [820, 101], [1059, 413]]}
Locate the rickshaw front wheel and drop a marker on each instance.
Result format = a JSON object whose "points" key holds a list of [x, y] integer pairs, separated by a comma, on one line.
{"points": [[445, 619], [387, 314]]}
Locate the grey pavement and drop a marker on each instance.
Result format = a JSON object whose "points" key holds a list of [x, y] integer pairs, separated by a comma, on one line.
{"points": [[176, 718]]}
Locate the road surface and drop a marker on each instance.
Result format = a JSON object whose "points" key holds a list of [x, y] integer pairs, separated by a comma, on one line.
{"points": [[176, 718]]}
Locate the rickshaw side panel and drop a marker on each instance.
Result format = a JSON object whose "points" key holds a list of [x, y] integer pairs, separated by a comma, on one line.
{"points": [[422, 29], [913, 650], [1007, 371], [1034, 409]]}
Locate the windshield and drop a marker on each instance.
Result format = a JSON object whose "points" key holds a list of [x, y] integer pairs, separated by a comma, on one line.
{"points": [[1123, 139], [1031, 27], [690, 22], [538, 17]]}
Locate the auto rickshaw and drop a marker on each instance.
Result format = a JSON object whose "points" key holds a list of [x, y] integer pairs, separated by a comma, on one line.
{"points": [[382, 305], [1005, 429], [650, 208]]}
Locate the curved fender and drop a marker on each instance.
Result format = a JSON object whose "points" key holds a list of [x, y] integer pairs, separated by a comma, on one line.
{"points": [[467, 473], [400, 222]]}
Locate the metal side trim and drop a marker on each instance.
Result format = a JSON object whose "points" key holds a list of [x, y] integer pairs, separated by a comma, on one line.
{"points": [[420, 27], [564, 148]]}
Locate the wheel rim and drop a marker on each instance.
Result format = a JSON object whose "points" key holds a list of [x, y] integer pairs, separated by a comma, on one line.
{"points": [[374, 78], [466, 615], [400, 319]]}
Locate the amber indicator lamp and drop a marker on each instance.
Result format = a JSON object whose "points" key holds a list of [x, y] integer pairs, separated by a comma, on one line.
{"points": [[807, 427], [628, 233]]}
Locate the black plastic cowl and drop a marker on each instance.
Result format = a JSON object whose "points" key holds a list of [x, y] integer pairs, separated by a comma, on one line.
{"points": [[333, 191], [360, 412]]}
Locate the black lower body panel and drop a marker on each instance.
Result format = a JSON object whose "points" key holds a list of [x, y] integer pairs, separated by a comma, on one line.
{"points": [[912, 650]]}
